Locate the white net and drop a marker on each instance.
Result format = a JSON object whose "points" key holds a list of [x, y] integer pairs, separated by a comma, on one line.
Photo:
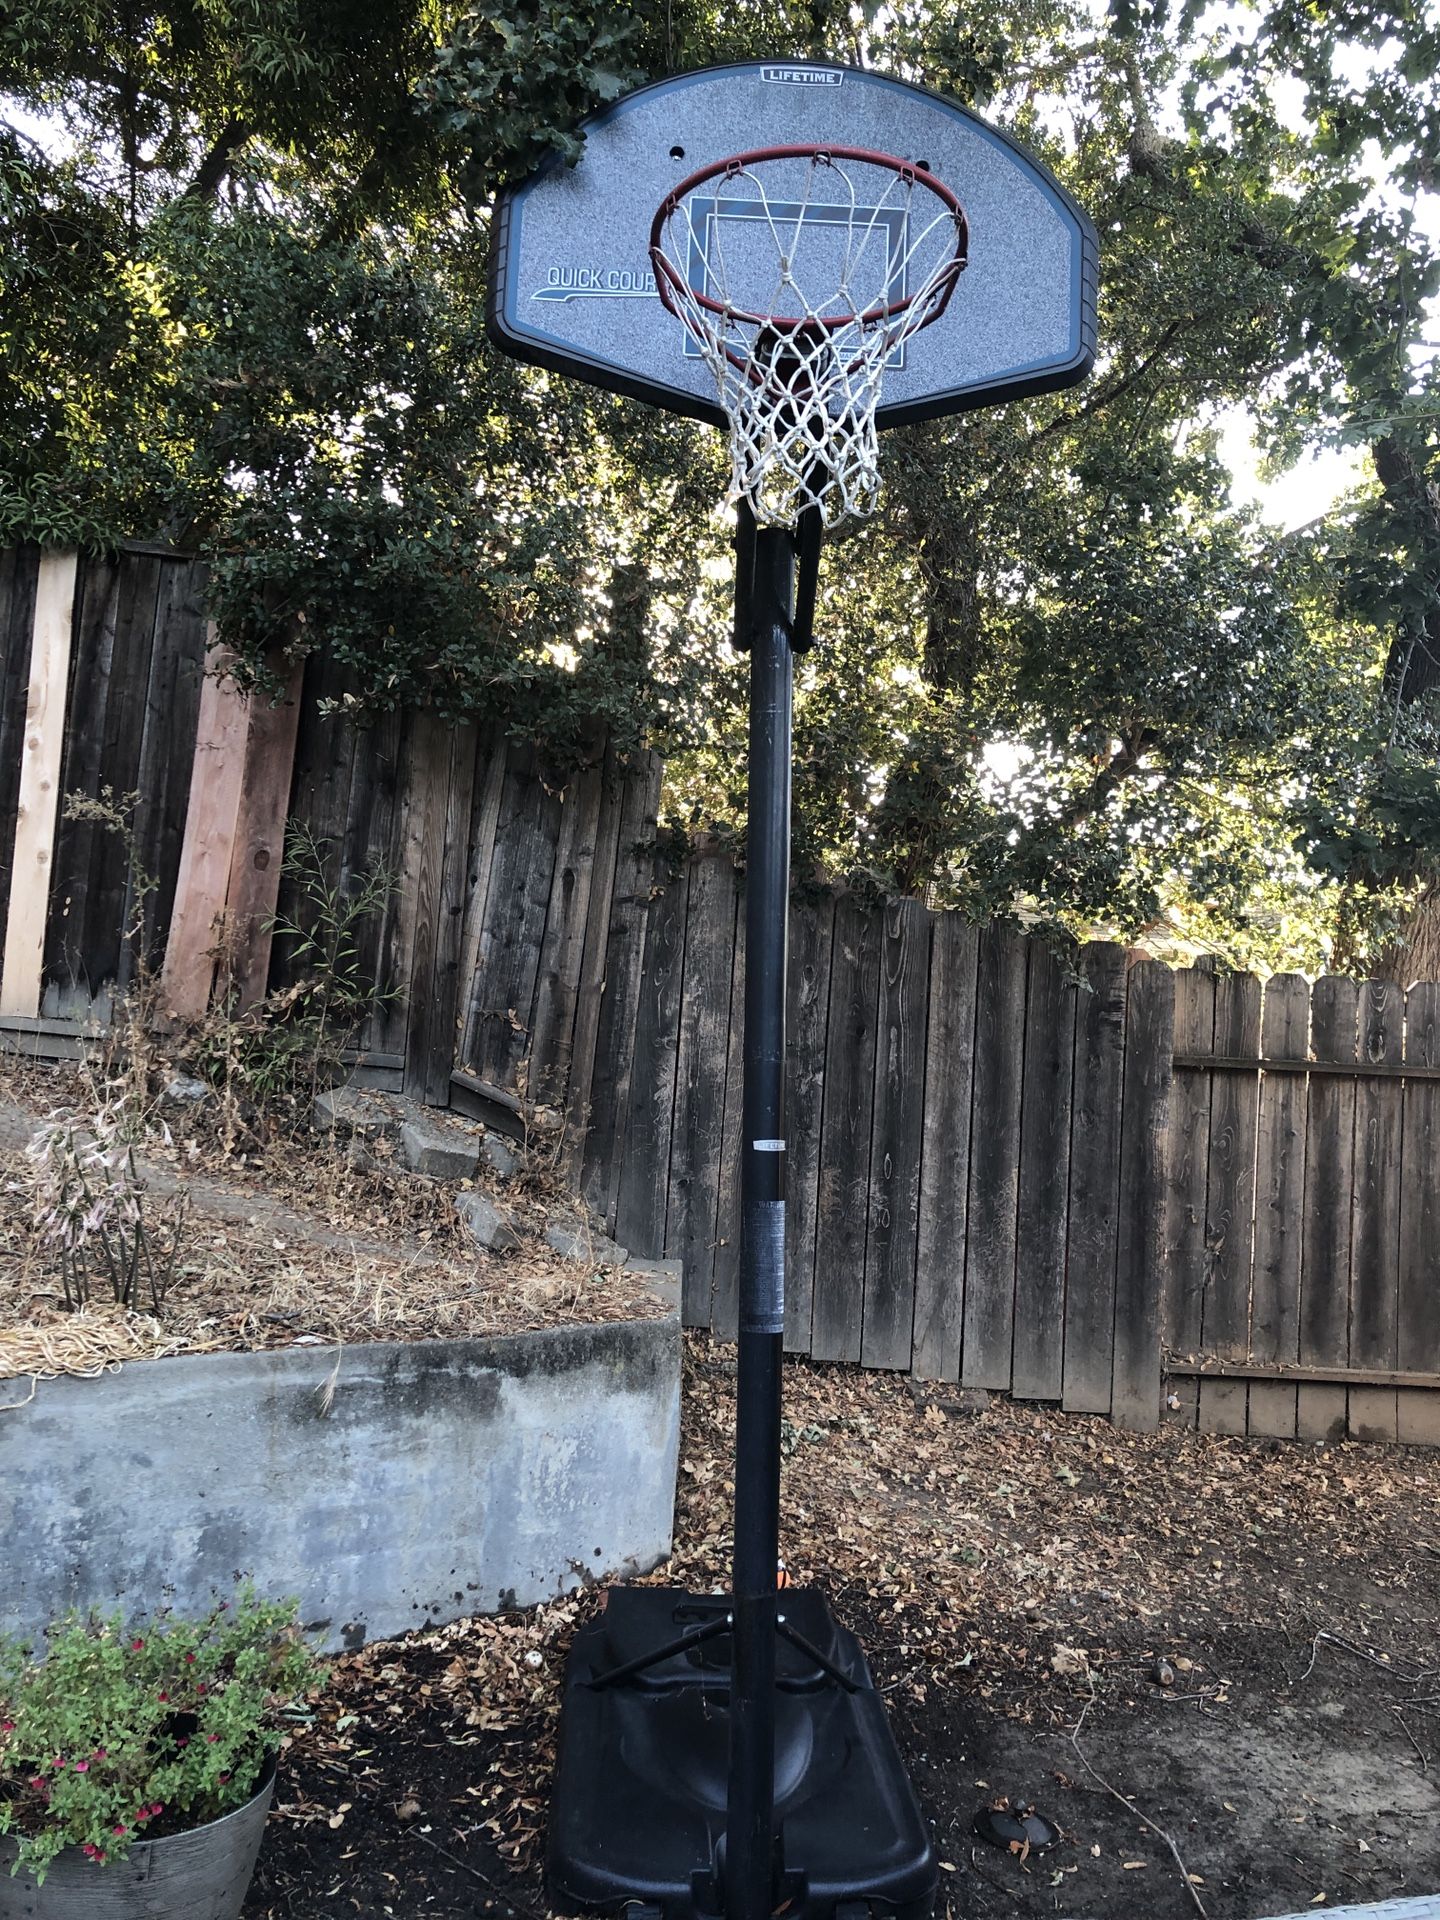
{"points": [[799, 278]]}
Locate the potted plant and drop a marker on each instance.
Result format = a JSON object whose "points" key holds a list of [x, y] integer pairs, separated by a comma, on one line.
{"points": [[137, 1762]]}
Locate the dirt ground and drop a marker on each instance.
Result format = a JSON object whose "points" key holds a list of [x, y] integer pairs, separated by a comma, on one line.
{"points": [[1017, 1576]]}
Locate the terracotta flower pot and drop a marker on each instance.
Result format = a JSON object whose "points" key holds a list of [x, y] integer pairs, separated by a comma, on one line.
{"points": [[199, 1875]]}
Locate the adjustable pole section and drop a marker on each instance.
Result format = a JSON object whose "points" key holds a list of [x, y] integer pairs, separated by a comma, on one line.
{"points": [[749, 1873]]}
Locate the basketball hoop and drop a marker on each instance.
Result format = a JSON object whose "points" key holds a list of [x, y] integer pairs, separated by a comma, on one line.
{"points": [[800, 277]]}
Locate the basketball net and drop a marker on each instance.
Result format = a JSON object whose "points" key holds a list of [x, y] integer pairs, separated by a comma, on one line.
{"points": [[799, 355]]}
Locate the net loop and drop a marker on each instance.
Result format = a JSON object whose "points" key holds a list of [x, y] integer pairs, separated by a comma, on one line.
{"points": [[799, 303]]}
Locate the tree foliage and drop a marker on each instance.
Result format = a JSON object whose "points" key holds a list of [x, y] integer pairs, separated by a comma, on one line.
{"points": [[1062, 673]]}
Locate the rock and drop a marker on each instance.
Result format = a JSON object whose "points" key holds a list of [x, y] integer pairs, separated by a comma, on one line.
{"points": [[353, 1110], [485, 1223], [185, 1091], [439, 1151], [499, 1155], [666, 1276], [573, 1240]]}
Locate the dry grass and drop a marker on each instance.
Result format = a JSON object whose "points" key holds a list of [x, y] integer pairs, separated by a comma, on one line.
{"points": [[294, 1241]]}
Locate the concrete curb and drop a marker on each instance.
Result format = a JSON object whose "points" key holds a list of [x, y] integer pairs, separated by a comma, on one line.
{"points": [[388, 1486], [1419, 1906]]}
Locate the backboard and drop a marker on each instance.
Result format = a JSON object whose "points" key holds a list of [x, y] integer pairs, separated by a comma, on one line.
{"points": [[572, 288]]}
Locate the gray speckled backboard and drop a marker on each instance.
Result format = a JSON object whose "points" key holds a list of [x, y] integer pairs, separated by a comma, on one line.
{"points": [[571, 285]]}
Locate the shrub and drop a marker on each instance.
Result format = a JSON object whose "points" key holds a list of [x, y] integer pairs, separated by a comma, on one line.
{"points": [[121, 1733]]}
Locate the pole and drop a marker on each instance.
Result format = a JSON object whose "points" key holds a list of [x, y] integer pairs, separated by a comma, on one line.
{"points": [[749, 1877]]}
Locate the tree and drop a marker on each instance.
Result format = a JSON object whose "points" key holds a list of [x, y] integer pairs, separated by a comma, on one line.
{"points": [[1061, 674]]}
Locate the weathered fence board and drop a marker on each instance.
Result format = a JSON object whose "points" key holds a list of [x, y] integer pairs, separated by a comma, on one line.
{"points": [[1329, 1189], [988, 1338], [1044, 1178], [172, 706], [1230, 1202], [563, 948], [19, 572], [812, 924], [1417, 1415], [591, 987], [843, 1204], [619, 1006], [895, 1133], [1375, 1252], [650, 1109], [1187, 1181], [698, 1130], [725, 1288], [1279, 1203], [98, 939], [1140, 1236], [945, 1150], [1094, 1181], [503, 989]]}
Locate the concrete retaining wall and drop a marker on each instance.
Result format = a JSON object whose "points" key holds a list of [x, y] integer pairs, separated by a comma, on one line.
{"points": [[444, 1478]]}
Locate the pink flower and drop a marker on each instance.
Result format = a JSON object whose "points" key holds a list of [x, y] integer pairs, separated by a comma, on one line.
{"points": [[100, 1754], [200, 1686], [120, 1827], [82, 1766], [156, 1809], [165, 1697], [93, 1852], [211, 1738], [38, 1783], [189, 1659], [136, 1645], [7, 1726]]}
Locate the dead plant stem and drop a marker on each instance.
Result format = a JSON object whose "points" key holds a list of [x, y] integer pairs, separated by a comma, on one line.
{"points": [[1131, 1808]]}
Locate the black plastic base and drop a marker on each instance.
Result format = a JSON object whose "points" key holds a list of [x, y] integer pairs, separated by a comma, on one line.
{"points": [[639, 1807]]}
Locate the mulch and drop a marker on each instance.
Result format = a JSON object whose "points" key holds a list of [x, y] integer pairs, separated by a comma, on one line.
{"points": [[1212, 1661]]}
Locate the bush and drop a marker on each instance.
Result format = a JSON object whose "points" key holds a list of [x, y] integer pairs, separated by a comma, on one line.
{"points": [[124, 1733]]}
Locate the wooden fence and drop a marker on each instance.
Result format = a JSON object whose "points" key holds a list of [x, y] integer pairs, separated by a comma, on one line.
{"points": [[1076, 1177]]}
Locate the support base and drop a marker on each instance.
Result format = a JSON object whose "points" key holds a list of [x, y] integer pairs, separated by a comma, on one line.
{"points": [[638, 1814]]}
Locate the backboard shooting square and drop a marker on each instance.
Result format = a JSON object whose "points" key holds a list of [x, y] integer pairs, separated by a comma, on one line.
{"points": [[732, 248]]}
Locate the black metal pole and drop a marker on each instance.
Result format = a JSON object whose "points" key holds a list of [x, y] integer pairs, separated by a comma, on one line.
{"points": [[749, 1875]]}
